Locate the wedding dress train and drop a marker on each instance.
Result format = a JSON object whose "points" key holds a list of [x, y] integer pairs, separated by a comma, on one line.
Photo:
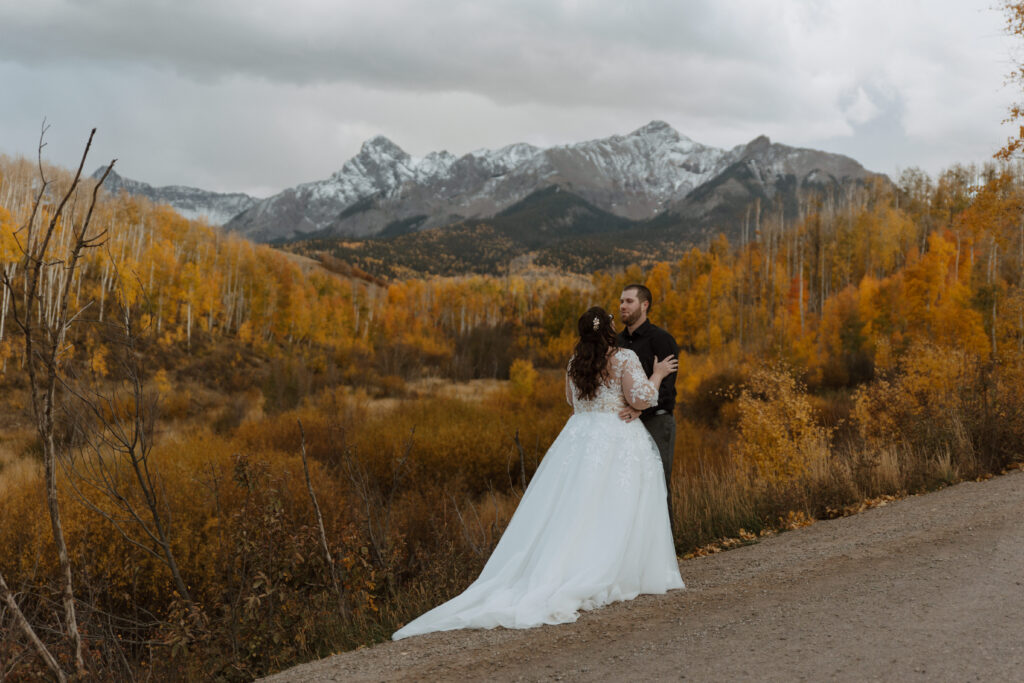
{"points": [[592, 527]]}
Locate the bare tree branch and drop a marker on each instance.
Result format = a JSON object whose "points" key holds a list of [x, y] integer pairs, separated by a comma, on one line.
{"points": [[376, 504], [343, 608], [8, 597], [522, 461], [126, 438], [44, 341]]}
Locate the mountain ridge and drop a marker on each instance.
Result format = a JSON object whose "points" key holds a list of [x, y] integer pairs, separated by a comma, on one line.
{"points": [[634, 176], [191, 202], [652, 174]]}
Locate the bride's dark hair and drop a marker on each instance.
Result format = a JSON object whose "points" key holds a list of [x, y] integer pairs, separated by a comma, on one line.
{"points": [[590, 357]]}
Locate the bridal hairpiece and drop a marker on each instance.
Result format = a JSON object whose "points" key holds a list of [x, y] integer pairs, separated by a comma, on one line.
{"points": [[597, 322]]}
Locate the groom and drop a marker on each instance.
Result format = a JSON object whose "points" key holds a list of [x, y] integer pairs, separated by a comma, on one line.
{"points": [[647, 341]]}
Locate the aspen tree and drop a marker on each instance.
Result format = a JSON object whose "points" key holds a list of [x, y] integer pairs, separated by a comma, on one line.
{"points": [[45, 346]]}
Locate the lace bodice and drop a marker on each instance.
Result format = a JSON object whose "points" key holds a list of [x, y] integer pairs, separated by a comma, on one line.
{"points": [[627, 383]]}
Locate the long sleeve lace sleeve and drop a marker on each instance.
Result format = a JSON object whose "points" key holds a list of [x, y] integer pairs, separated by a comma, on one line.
{"points": [[568, 386], [638, 390]]}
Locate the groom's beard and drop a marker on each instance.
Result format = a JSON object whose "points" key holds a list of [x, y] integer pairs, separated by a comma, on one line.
{"points": [[629, 318]]}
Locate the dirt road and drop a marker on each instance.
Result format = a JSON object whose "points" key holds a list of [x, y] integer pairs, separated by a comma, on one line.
{"points": [[930, 588]]}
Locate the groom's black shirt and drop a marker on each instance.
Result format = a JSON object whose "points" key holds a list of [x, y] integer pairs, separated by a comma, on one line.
{"points": [[648, 341]]}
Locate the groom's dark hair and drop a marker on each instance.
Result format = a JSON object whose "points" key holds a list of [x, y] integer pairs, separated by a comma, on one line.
{"points": [[642, 293]]}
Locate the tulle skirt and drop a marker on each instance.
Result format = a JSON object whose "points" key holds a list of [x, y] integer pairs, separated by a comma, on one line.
{"points": [[592, 528]]}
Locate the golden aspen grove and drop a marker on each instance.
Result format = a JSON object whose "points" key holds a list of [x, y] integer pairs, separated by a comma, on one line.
{"points": [[267, 458]]}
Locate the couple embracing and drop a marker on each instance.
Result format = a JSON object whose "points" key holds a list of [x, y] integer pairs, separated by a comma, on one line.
{"points": [[593, 526]]}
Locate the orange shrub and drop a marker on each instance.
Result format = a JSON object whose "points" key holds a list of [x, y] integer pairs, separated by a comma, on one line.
{"points": [[778, 434]]}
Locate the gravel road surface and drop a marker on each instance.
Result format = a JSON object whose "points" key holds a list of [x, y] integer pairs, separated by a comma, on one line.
{"points": [[929, 588]]}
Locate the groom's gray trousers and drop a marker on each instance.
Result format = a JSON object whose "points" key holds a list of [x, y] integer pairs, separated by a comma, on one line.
{"points": [[662, 428]]}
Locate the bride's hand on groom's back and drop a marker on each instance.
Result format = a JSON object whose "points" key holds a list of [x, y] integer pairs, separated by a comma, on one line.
{"points": [[664, 368]]}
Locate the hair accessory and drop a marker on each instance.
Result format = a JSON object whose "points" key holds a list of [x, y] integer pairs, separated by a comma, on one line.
{"points": [[597, 322]]}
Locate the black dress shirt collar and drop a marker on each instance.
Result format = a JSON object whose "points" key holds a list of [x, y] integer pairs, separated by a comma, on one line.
{"points": [[642, 331]]}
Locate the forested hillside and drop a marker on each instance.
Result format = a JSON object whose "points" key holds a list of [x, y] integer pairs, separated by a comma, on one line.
{"points": [[262, 460]]}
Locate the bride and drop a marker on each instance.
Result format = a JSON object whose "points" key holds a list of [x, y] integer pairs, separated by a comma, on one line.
{"points": [[592, 527]]}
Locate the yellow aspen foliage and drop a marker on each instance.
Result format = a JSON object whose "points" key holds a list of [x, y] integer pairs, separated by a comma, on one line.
{"points": [[6, 352], [925, 404], [523, 379], [659, 281], [778, 434], [98, 361], [161, 383], [557, 350], [8, 246]]}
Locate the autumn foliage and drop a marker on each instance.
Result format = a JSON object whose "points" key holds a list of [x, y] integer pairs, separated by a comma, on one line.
{"points": [[851, 351]]}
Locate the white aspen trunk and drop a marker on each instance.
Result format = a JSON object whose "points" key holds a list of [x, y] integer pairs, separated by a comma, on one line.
{"points": [[241, 310], [188, 327], [9, 270], [956, 267], [44, 299], [3, 310], [821, 271], [123, 251], [140, 240], [227, 300], [800, 270], [103, 287], [61, 281], [78, 285]]}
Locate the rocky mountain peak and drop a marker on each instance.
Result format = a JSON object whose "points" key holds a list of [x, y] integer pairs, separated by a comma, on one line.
{"points": [[654, 170], [758, 145], [379, 147], [191, 202], [380, 167], [658, 129], [113, 176], [115, 182]]}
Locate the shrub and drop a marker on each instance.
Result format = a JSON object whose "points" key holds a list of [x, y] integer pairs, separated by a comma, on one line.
{"points": [[523, 379], [778, 434], [712, 394]]}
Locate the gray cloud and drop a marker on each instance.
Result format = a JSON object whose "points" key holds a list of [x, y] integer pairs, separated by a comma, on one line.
{"points": [[256, 96]]}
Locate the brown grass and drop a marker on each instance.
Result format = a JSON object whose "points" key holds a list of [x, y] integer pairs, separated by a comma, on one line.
{"points": [[416, 491]]}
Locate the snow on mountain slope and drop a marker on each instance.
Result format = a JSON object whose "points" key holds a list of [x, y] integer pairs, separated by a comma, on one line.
{"points": [[385, 190], [216, 207], [634, 176]]}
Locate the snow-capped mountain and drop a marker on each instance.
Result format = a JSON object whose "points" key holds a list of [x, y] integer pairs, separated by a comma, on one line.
{"points": [[216, 207], [384, 191], [654, 171]]}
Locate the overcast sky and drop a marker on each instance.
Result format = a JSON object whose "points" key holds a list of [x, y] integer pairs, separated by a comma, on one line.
{"points": [[260, 95]]}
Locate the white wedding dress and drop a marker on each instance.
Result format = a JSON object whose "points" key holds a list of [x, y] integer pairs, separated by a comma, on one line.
{"points": [[592, 527]]}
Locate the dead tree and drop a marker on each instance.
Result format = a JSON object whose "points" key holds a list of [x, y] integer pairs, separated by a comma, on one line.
{"points": [[7, 597], [117, 428], [343, 608], [376, 503], [53, 242]]}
